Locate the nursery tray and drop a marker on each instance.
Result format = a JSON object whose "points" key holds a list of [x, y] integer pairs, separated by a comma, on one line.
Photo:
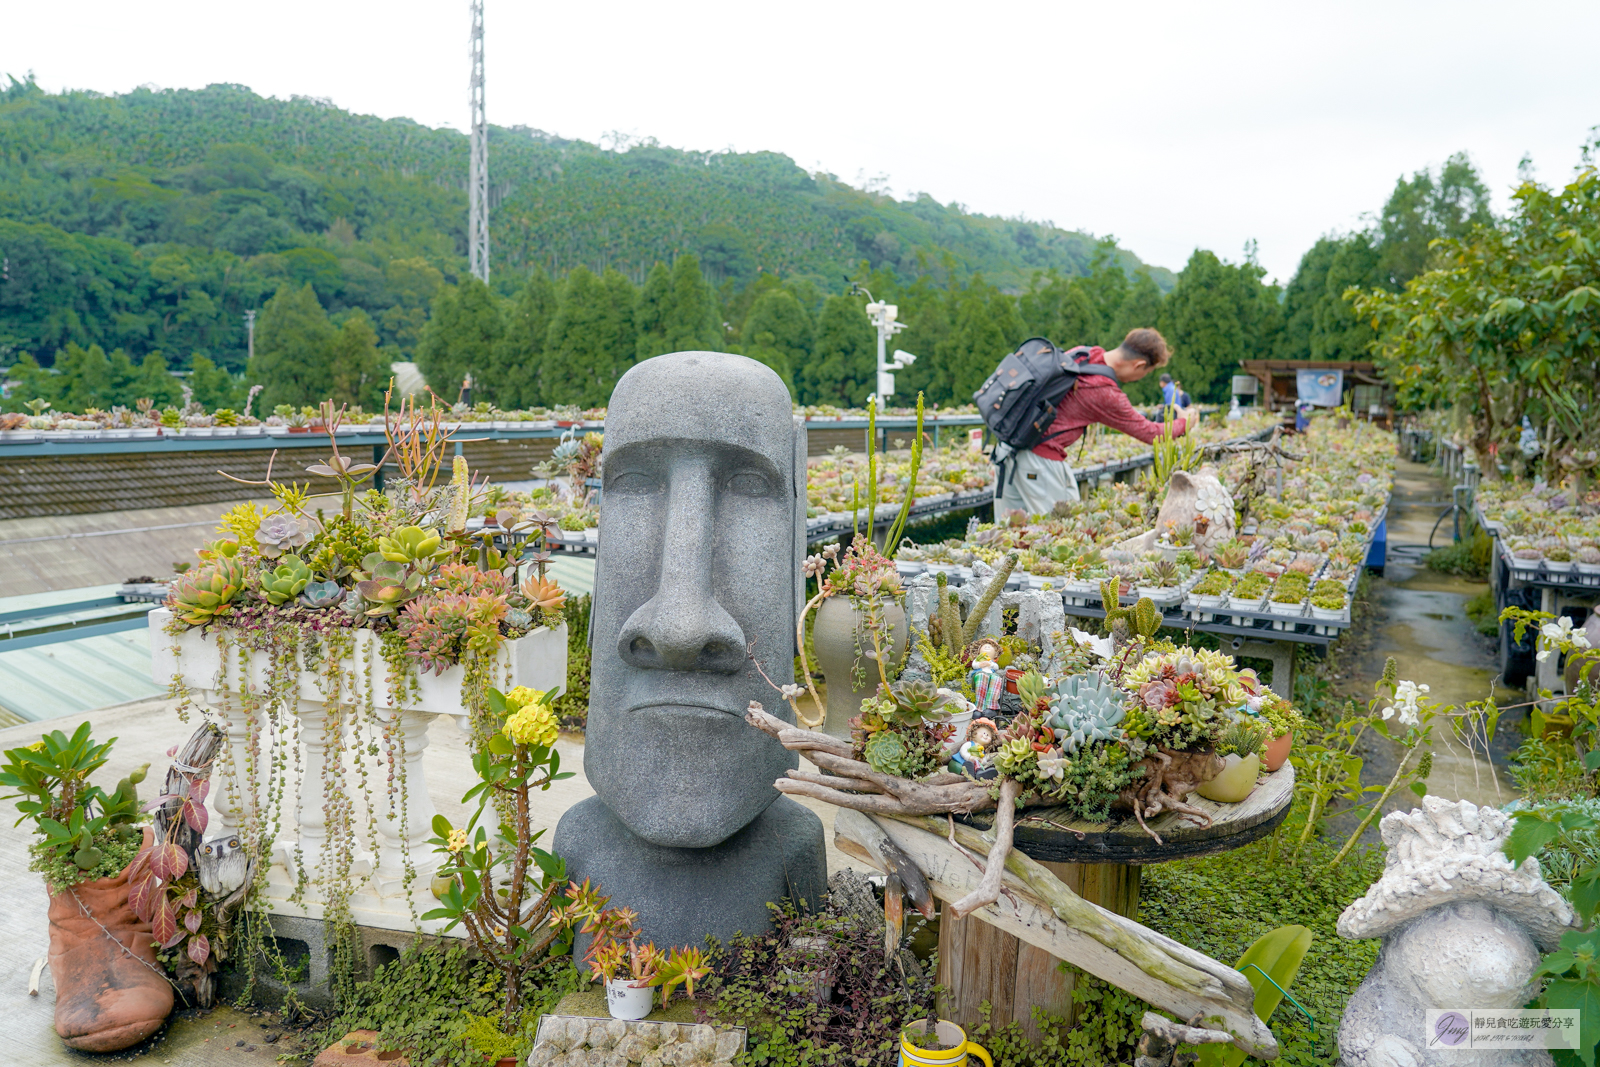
{"points": [[1052, 836]]}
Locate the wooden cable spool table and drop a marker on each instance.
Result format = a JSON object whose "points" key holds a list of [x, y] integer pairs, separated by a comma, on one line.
{"points": [[1100, 862]]}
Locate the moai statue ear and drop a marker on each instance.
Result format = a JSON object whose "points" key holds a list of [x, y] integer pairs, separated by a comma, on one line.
{"points": [[800, 502]]}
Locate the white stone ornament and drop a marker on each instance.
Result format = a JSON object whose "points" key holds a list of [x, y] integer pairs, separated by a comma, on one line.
{"points": [[1461, 929]]}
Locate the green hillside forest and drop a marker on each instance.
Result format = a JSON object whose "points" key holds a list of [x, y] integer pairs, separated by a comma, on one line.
{"points": [[137, 230]]}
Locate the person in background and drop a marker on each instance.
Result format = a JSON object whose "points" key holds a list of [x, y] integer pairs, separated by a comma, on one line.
{"points": [[1169, 390], [1041, 477]]}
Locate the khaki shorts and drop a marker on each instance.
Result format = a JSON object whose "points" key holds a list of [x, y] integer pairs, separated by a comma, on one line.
{"points": [[1034, 485]]}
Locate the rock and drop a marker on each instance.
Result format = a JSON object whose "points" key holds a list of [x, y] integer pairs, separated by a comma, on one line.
{"points": [[703, 521]]}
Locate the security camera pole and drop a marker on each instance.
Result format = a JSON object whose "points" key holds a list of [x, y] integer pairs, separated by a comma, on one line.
{"points": [[883, 317]]}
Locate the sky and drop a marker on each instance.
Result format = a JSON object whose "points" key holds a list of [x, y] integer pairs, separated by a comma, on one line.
{"points": [[1172, 126]]}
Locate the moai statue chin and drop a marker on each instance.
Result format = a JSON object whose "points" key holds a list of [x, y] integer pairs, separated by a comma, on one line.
{"points": [[702, 534]]}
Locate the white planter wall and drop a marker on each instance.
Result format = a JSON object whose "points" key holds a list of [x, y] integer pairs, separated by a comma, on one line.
{"points": [[537, 660]]}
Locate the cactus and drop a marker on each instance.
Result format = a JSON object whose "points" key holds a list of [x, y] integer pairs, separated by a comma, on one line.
{"points": [[951, 614], [285, 581], [460, 494], [1087, 708], [986, 601], [201, 595], [1143, 619]]}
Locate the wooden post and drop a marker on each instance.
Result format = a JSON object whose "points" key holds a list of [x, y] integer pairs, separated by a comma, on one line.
{"points": [[978, 962]]}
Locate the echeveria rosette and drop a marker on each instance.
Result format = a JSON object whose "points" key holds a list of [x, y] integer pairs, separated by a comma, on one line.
{"points": [[280, 533]]}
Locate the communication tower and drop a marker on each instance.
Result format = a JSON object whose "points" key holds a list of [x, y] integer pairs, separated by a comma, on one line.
{"points": [[478, 175]]}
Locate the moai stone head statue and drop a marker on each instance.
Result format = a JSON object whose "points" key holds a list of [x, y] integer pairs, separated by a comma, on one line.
{"points": [[702, 536]]}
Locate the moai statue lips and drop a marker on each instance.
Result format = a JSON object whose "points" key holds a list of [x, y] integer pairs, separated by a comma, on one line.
{"points": [[702, 528]]}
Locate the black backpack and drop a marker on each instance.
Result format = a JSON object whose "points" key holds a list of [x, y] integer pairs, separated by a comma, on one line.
{"points": [[1018, 401]]}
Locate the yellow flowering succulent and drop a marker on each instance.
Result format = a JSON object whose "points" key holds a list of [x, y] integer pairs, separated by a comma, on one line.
{"points": [[532, 724], [522, 696], [458, 841]]}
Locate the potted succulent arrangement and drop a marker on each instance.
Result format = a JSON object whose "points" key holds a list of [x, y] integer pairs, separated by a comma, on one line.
{"points": [[1249, 594], [1288, 599], [1330, 601], [631, 971], [344, 631], [1211, 592], [1240, 748], [110, 990]]}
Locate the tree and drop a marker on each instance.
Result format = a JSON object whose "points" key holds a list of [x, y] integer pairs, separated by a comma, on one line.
{"points": [[1507, 324], [778, 332], [462, 337], [1216, 315], [985, 327], [360, 372], [522, 347], [1422, 209], [213, 387], [294, 350], [591, 340], [843, 367], [677, 311]]}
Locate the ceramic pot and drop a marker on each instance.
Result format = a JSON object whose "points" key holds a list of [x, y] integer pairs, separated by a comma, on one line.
{"points": [[1013, 676], [626, 1001], [1236, 782], [1274, 752], [946, 1033], [838, 631], [111, 993]]}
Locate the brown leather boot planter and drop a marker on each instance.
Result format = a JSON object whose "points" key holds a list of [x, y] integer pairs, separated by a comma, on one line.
{"points": [[110, 991]]}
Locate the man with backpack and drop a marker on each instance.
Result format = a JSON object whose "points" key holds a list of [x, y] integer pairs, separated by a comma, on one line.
{"points": [[1083, 386]]}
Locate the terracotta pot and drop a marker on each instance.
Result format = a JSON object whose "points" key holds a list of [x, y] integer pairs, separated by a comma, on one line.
{"points": [[838, 631], [110, 991], [1276, 751], [1012, 677]]}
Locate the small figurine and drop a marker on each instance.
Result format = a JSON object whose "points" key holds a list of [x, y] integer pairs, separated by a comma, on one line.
{"points": [[988, 680], [972, 757]]}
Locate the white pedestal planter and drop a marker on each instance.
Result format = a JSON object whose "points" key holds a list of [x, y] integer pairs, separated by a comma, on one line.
{"points": [[378, 895]]}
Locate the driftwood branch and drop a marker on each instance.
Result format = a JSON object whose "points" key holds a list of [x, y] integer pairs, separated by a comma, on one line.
{"points": [[1179, 1034], [849, 783], [988, 890]]}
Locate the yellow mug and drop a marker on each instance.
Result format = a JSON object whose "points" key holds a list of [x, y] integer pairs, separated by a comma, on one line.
{"points": [[947, 1033]]}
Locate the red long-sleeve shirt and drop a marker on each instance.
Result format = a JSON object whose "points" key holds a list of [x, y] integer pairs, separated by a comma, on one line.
{"points": [[1098, 399]]}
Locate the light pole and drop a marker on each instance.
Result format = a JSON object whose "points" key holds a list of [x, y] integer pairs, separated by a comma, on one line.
{"points": [[250, 334]]}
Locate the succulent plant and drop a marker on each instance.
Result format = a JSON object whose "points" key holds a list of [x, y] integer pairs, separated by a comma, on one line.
{"points": [[1087, 708], [543, 594], [886, 753], [285, 581], [278, 534], [201, 595], [1012, 757], [387, 595], [1162, 574], [322, 595], [916, 700], [1241, 739], [411, 544]]}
